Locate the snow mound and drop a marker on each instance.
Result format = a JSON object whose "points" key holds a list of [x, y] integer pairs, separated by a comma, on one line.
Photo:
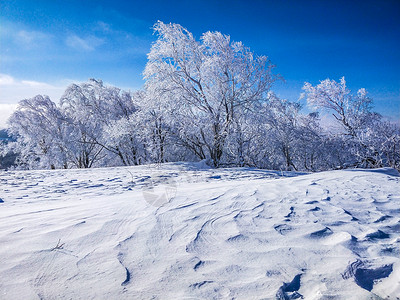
{"points": [[180, 231], [387, 171]]}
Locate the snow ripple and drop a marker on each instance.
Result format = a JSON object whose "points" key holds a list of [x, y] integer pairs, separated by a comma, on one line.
{"points": [[222, 234]]}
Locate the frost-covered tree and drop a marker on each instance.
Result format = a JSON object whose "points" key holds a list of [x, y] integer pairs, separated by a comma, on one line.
{"points": [[353, 112], [205, 83], [284, 122], [382, 142], [246, 138], [101, 118], [289, 137], [81, 103], [39, 129], [363, 132], [125, 134]]}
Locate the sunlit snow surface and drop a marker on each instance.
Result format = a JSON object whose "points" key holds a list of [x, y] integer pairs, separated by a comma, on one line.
{"points": [[180, 231]]}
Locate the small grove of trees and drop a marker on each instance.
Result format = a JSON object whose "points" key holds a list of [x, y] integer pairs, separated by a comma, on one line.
{"points": [[207, 99], [369, 141], [83, 131]]}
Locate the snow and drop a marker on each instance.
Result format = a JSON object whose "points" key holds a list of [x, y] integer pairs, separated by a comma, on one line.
{"points": [[185, 231]]}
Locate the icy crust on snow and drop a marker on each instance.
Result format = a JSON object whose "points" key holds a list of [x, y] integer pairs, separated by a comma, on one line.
{"points": [[183, 231]]}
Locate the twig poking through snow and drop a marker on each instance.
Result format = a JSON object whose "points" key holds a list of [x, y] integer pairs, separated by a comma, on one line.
{"points": [[59, 245]]}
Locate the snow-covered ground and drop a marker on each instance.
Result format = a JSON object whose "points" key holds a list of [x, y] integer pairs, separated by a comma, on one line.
{"points": [[180, 231]]}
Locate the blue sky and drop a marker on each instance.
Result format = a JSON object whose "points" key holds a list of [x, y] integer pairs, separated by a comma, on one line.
{"points": [[45, 45]]}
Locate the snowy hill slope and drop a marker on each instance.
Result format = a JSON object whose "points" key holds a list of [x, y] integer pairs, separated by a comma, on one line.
{"points": [[181, 231]]}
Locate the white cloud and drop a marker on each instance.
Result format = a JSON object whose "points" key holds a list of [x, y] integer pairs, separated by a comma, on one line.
{"points": [[30, 39], [102, 27], [87, 44], [6, 79], [13, 90], [5, 112], [36, 84]]}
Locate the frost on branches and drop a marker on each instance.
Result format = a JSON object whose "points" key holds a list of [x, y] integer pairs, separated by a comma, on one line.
{"points": [[209, 99], [370, 141], [207, 84]]}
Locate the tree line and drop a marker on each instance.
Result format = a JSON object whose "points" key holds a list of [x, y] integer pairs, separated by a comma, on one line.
{"points": [[209, 99]]}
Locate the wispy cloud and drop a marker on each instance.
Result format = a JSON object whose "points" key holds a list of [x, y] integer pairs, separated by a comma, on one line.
{"points": [[86, 44], [13, 90], [6, 80], [129, 42], [102, 27], [31, 39]]}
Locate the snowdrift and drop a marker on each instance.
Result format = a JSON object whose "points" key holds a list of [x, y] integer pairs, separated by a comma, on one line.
{"points": [[182, 231]]}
